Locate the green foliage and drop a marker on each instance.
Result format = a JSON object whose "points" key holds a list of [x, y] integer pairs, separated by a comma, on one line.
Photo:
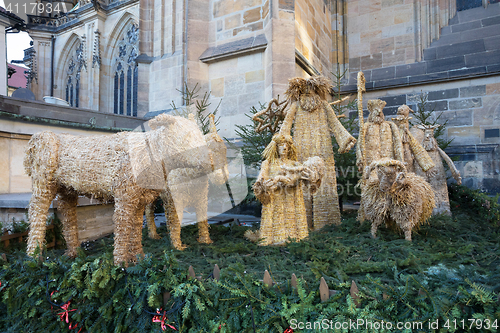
{"points": [[484, 206], [19, 227], [253, 143], [451, 271], [424, 115], [196, 105]]}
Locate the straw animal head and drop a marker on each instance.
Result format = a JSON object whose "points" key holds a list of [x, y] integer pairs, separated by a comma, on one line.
{"points": [[376, 107], [390, 173], [404, 110], [219, 154]]}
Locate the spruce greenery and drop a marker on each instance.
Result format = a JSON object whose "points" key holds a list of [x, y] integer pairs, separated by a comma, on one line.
{"points": [[451, 271]]}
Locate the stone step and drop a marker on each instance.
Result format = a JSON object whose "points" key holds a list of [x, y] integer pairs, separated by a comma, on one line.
{"points": [[468, 35], [470, 47]]}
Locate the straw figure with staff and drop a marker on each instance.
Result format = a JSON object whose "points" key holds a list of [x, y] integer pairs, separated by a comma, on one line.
{"points": [[314, 119]]}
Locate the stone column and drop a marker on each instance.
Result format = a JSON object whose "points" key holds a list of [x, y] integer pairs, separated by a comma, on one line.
{"points": [[145, 58], [280, 56]]}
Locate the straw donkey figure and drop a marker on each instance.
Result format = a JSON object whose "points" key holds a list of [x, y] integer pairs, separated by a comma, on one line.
{"points": [[314, 120], [127, 168], [187, 187], [425, 135], [396, 197]]}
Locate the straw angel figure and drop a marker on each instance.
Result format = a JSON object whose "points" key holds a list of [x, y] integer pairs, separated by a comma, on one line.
{"points": [[314, 120], [279, 188]]}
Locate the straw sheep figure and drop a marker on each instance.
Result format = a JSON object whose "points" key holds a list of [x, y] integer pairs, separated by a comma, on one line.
{"points": [[395, 197], [425, 135], [127, 168], [188, 188], [314, 122]]}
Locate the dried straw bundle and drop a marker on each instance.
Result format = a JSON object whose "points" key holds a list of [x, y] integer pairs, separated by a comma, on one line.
{"points": [[129, 168], [381, 138], [314, 120], [396, 197], [412, 150], [280, 189], [424, 134], [187, 187]]}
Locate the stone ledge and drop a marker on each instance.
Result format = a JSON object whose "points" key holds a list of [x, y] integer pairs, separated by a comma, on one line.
{"points": [[418, 79], [236, 48], [471, 149], [22, 200]]}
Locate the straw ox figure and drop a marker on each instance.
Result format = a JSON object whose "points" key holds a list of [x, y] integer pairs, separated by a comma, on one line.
{"points": [[188, 187], [395, 197], [425, 135], [128, 168]]}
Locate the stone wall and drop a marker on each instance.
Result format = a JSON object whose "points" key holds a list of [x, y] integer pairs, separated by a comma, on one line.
{"points": [[313, 33], [390, 32], [238, 18]]}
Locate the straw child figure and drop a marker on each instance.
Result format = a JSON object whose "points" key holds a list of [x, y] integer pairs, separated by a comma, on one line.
{"points": [[413, 152], [279, 188], [425, 135], [314, 120]]}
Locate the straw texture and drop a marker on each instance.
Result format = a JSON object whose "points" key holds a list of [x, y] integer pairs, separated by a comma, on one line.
{"points": [[280, 186], [314, 120], [129, 168], [413, 151], [395, 197], [424, 134], [187, 187]]}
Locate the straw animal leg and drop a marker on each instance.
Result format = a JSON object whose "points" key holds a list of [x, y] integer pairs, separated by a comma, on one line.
{"points": [[407, 230], [173, 220], [375, 224], [66, 205], [125, 209], [43, 194], [135, 248], [201, 216], [150, 218]]}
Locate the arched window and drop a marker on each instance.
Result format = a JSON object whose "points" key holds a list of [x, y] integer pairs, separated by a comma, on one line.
{"points": [[76, 63], [126, 74]]}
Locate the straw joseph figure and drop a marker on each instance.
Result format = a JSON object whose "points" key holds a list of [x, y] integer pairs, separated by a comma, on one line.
{"points": [[188, 187], [314, 120], [128, 168], [279, 188], [425, 135]]}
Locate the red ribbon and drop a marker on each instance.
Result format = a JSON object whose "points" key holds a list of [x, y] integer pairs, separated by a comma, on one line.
{"points": [[161, 319], [66, 312], [288, 330]]}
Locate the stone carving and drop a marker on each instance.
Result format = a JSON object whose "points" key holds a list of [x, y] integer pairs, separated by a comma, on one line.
{"points": [[130, 168], [425, 135], [96, 54], [314, 120]]}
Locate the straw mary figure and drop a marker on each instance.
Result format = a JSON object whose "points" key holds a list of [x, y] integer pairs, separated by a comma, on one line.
{"points": [[127, 168], [314, 120], [413, 151], [279, 188], [187, 187], [425, 135]]}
